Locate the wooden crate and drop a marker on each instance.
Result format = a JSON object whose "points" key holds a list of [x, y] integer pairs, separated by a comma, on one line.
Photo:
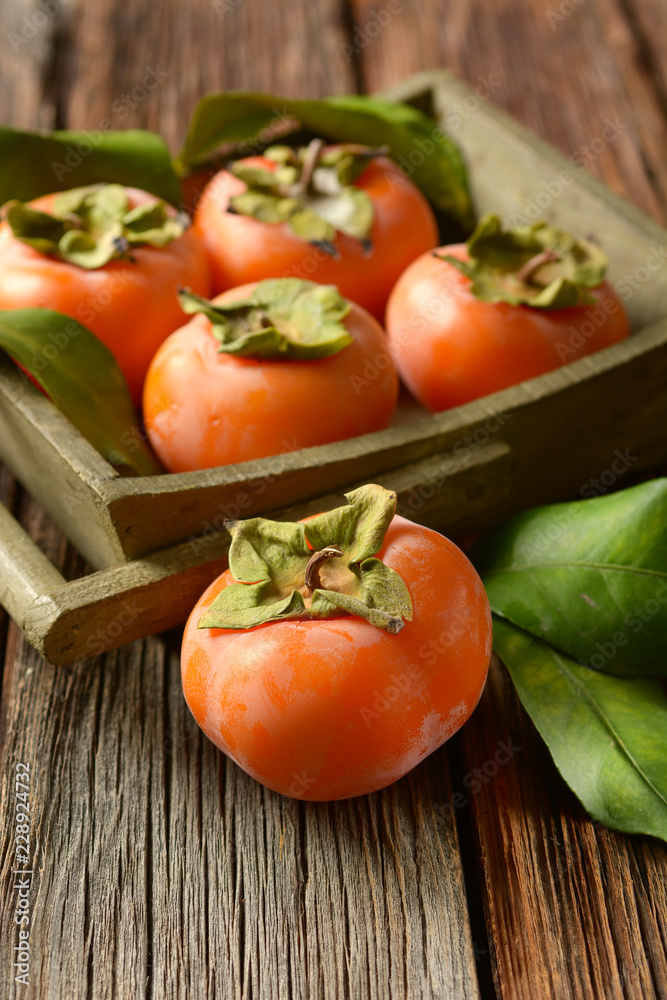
{"points": [[155, 541]]}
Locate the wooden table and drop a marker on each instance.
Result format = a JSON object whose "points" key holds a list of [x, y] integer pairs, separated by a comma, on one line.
{"points": [[162, 870]]}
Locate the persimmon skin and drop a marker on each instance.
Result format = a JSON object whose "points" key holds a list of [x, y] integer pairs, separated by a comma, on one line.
{"points": [[130, 306], [451, 348], [203, 408], [242, 249], [324, 710]]}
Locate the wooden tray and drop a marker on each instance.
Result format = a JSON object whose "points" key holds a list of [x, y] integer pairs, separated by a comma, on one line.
{"points": [[155, 541]]}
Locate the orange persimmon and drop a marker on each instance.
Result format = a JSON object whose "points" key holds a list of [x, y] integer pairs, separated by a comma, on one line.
{"points": [[456, 336], [129, 302], [361, 242], [205, 404], [326, 704]]}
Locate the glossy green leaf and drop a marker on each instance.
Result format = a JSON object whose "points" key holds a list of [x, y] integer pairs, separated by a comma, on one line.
{"points": [[429, 157], [82, 378], [37, 163], [607, 735], [588, 577]]}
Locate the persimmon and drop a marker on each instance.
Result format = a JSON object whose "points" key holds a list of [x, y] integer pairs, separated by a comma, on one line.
{"points": [[267, 368], [474, 318], [337, 215], [336, 654], [111, 258]]}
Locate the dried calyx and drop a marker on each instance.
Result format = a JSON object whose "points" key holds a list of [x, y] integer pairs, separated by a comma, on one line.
{"points": [[90, 226], [283, 318], [312, 190], [539, 265], [322, 569]]}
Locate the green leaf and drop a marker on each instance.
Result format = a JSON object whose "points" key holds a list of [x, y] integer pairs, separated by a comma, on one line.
{"points": [[284, 318], [82, 378], [538, 265], [37, 163], [607, 735], [414, 141], [589, 577], [91, 226], [279, 575]]}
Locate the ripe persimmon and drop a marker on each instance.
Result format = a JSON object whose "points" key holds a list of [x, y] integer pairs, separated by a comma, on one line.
{"points": [[337, 215], [267, 368], [471, 319], [112, 258], [364, 646]]}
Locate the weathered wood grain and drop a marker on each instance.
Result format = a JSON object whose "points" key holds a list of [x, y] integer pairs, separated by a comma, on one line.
{"points": [[566, 77], [107, 609], [163, 871], [572, 910]]}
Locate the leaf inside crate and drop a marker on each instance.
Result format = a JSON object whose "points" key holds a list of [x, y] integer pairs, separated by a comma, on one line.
{"points": [[38, 163], [82, 378], [421, 148]]}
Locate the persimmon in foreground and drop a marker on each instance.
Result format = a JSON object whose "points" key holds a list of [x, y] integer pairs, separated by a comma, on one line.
{"points": [[336, 653], [110, 257], [474, 318], [341, 215], [265, 369]]}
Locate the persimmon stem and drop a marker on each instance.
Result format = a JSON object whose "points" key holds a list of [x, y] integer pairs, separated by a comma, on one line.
{"points": [[313, 150], [547, 256], [312, 575]]}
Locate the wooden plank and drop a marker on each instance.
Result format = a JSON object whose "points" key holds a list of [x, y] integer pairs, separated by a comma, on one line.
{"points": [[28, 59], [25, 573], [57, 465], [118, 605], [163, 869], [565, 77], [572, 910]]}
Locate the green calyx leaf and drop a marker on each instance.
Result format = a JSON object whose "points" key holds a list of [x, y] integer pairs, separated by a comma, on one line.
{"points": [[283, 318], [318, 570], [83, 379], [312, 190], [607, 735], [91, 226], [538, 266], [588, 577]]}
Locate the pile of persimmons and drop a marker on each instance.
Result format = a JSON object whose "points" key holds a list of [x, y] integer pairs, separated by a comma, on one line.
{"points": [[307, 282]]}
